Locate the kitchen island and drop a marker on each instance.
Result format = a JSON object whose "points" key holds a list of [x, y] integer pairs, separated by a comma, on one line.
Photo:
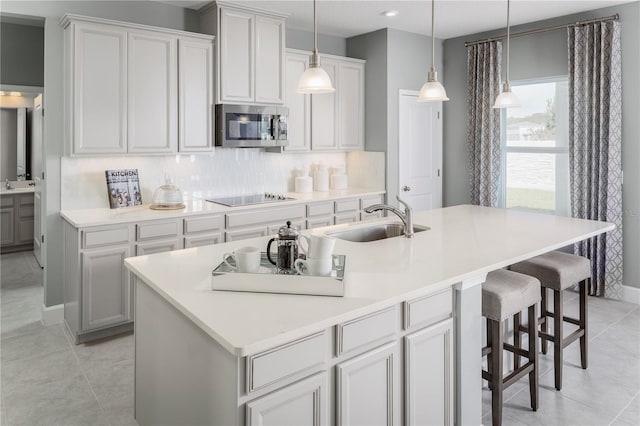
{"points": [[401, 346]]}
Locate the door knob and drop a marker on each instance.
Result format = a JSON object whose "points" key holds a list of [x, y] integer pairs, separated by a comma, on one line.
{"points": [[406, 188]]}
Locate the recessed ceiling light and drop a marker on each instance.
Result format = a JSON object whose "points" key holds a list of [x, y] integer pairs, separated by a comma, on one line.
{"points": [[15, 94], [390, 13]]}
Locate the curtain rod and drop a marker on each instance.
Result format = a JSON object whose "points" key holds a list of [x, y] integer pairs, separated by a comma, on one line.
{"points": [[542, 30]]}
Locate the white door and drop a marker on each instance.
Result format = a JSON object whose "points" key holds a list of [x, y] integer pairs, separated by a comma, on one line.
{"points": [[420, 152], [37, 172]]}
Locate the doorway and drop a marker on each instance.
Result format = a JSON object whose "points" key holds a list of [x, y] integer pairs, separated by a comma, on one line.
{"points": [[420, 151]]}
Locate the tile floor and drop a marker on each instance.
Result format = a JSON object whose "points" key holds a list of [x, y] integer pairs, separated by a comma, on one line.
{"points": [[45, 379]]}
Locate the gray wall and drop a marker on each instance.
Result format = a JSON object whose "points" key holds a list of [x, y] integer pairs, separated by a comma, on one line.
{"points": [[395, 60], [8, 146], [303, 40], [544, 55], [16, 66], [143, 12]]}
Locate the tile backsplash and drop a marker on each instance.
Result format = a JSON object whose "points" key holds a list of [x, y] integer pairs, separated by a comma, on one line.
{"points": [[223, 172]]}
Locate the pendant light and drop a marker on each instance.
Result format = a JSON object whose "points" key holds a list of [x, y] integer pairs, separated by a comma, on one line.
{"points": [[507, 99], [315, 80], [432, 90]]}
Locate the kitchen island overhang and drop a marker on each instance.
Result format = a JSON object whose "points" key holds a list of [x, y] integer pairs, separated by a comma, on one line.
{"points": [[463, 244]]}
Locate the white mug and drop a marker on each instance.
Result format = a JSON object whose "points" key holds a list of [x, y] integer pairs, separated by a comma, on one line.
{"points": [[319, 267], [318, 246], [247, 259]]}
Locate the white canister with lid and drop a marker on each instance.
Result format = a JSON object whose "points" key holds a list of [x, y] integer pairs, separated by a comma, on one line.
{"points": [[321, 178], [338, 177], [303, 182]]}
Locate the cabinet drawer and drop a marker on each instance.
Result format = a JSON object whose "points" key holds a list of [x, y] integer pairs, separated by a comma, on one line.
{"points": [[371, 200], [365, 330], [319, 222], [103, 237], [265, 216], [319, 209], [6, 200], [347, 218], [148, 231], [347, 205], [298, 224], [243, 234], [157, 247], [428, 310], [202, 224], [203, 240], [302, 356]]}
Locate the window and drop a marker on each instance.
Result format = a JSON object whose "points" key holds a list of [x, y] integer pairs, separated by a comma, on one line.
{"points": [[535, 163]]}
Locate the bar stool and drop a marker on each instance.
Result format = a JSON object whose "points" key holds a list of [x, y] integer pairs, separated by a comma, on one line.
{"points": [[558, 271], [505, 293]]}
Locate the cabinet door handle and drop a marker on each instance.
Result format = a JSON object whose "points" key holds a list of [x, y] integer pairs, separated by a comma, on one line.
{"points": [[406, 188]]}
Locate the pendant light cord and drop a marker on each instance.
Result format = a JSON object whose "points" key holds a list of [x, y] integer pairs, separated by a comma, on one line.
{"points": [[315, 29]]}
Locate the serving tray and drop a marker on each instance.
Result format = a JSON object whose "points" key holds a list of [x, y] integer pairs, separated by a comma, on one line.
{"points": [[268, 280]]}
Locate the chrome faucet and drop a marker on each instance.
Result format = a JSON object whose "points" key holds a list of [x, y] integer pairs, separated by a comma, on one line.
{"points": [[406, 217], [7, 184]]}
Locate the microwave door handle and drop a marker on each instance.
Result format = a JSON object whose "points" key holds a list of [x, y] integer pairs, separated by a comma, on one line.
{"points": [[273, 130]]}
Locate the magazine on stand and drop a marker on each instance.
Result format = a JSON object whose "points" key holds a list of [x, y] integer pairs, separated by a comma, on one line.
{"points": [[123, 188]]}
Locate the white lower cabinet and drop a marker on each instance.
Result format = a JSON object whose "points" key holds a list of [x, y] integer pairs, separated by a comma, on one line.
{"points": [[303, 403], [157, 247], [368, 388], [243, 234], [429, 375], [106, 291]]}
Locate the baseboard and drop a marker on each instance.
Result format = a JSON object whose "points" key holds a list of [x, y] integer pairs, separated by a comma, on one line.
{"points": [[52, 314], [631, 294]]}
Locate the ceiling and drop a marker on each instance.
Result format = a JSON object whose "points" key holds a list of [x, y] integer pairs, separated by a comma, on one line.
{"points": [[454, 18]]}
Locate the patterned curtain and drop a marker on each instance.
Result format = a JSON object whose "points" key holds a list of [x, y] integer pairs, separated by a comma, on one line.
{"points": [[483, 122], [595, 146]]}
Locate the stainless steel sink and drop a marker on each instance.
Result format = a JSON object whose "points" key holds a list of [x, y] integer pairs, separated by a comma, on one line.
{"points": [[379, 231]]}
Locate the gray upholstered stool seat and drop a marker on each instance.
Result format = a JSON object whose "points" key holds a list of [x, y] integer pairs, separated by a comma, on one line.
{"points": [[558, 271], [506, 294], [555, 269]]}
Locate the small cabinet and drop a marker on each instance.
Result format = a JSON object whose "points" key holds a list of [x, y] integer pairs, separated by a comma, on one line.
{"points": [[324, 113], [299, 104], [351, 105], [195, 95], [16, 222], [368, 388], [152, 82], [429, 375], [250, 54], [304, 403], [106, 292], [7, 231]]}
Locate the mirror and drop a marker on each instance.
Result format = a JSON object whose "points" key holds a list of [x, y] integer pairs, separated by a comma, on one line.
{"points": [[16, 111]]}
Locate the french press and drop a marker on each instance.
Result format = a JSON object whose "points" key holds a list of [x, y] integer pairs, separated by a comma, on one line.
{"points": [[287, 242]]}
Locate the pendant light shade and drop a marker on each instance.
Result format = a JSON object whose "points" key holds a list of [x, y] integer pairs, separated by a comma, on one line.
{"points": [[432, 90], [315, 80], [507, 99]]}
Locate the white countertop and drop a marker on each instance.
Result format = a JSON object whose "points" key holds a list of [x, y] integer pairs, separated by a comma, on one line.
{"points": [[26, 190], [464, 242], [195, 205]]}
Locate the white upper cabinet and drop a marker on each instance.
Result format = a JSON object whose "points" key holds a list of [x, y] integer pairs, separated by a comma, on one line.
{"points": [[299, 104], [250, 53], [237, 56], [351, 101], [327, 122], [269, 46], [153, 92], [195, 106], [324, 112], [128, 91], [96, 80]]}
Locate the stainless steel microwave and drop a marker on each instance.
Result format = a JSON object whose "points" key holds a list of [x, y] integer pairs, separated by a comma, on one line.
{"points": [[251, 126]]}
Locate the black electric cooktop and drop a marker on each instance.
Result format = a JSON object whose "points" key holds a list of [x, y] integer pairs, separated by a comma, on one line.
{"points": [[247, 200]]}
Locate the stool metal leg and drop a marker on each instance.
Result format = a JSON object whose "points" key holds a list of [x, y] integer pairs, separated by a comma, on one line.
{"points": [[497, 341], [489, 344], [557, 337], [533, 357], [517, 340], [543, 315], [583, 324]]}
